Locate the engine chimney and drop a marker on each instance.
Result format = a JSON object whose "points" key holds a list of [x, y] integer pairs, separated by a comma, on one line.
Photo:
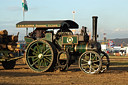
{"points": [[94, 18]]}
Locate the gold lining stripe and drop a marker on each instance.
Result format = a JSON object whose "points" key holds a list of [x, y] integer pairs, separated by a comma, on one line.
{"points": [[64, 47], [75, 48], [87, 47], [39, 25]]}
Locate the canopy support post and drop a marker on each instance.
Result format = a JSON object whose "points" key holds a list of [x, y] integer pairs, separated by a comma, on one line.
{"points": [[26, 31]]}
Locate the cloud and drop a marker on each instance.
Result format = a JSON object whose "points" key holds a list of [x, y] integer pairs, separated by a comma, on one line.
{"points": [[113, 33], [120, 30], [118, 33]]}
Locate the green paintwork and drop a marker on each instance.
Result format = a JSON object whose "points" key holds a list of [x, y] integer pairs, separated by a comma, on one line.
{"points": [[60, 42], [77, 48], [70, 39], [28, 40], [81, 48], [48, 36], [74, 41]]}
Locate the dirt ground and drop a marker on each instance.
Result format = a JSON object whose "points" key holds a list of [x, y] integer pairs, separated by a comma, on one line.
{"points": [[22, 75]]}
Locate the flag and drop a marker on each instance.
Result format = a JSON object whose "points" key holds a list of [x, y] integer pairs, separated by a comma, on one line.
{"points": [[24, 5]]}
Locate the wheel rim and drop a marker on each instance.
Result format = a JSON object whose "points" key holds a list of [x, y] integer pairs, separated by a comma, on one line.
{"points": [[39, 56], [105, 61], [90, 62]]}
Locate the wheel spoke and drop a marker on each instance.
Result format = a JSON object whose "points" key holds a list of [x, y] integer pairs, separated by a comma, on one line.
{"points": [[84, 60], [96, 61], [43, 49], [32, 56], [45, 64], [33, 50], [96, 65], [93, 68], [47, 60], [35, 62], [90, 69], [47, 55], [40, 64], [34, 53], [34, 59], [90, 56], [85, 64], [46, 51], [38, 48], [85, 67]]}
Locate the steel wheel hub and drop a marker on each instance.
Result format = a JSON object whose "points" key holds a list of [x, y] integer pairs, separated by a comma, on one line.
{"points": [[40, 56], [89, 62]]}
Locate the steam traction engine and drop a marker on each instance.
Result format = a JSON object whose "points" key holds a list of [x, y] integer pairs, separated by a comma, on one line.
{"points": [[47, 51]]}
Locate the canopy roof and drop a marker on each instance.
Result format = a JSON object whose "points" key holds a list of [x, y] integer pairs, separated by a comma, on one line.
{"points": [[47, 24]]}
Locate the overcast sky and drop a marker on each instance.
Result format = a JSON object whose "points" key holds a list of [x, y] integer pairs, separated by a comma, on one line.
{"points": [[112, 14]]}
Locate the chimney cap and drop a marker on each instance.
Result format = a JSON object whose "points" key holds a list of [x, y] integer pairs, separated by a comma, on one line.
{"points": [[94, 16]]}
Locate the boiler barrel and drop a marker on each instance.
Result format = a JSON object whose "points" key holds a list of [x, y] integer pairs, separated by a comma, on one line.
{"points": [[90, 46], [81, 48]]}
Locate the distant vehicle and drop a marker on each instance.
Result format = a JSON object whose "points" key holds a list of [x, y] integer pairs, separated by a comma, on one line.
{"points": [[116, 52], [122, 51]]}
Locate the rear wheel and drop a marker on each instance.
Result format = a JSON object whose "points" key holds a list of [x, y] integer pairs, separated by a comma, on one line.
{"points": [[90, 62], [41, 56]]}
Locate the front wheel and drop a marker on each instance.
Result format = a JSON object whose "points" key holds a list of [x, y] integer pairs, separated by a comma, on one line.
{"points": [[90, 62]]}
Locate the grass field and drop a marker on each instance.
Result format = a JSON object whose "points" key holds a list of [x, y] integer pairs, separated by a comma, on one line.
{"points": [[22, 75], [118, 56], [118, 63]]}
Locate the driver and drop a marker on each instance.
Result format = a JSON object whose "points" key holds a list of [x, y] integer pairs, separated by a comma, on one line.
{"points": [[38, 33]]}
